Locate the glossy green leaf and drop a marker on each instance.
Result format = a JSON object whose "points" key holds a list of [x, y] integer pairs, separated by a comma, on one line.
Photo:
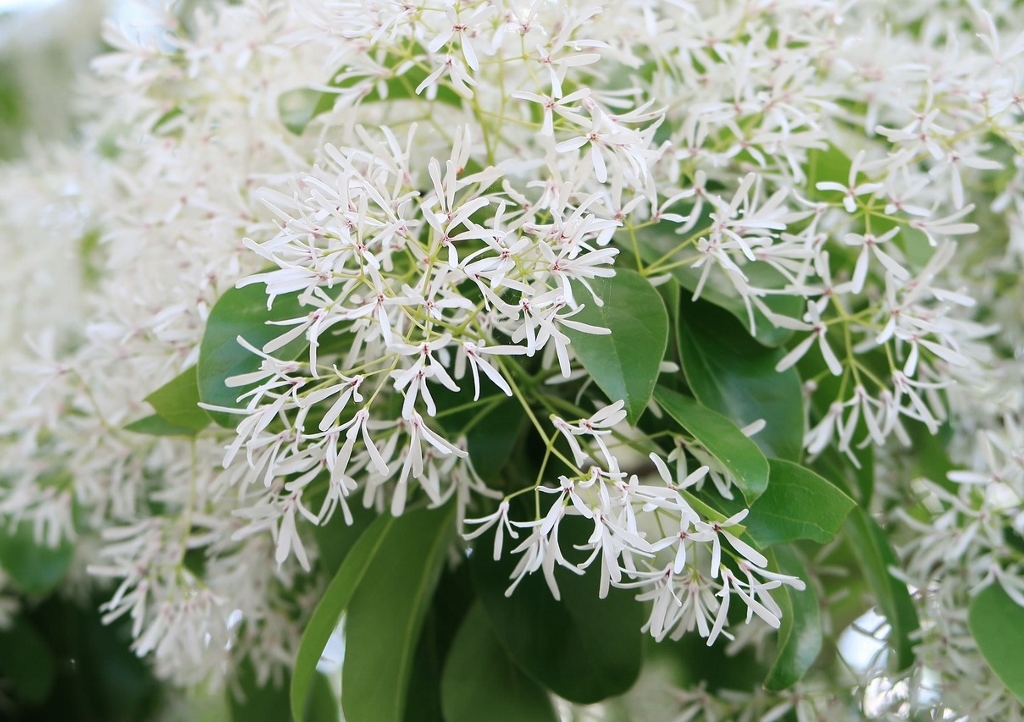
{"points": [[798, 504], [764, 276], [997, 625], [731, 373], [671, 296], [90, 257], [800, 635], [740, 456], [177, 401], [27, 667], [386, 614], [714, 507], [176, 406], [624, 363], [241, 312], [875, 557], [851, 470], [328, 611], [916, 246], [720, 293], [481, 683], [710, 669], [34, 567], [583, 648], [858, 483], [297, 108]]}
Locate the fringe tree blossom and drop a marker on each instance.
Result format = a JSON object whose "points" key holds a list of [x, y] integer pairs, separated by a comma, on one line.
{"points": [[432, 210]]}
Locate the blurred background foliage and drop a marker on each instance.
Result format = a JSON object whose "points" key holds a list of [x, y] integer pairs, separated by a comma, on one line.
{"points": [[44, 46], [58, 661]]}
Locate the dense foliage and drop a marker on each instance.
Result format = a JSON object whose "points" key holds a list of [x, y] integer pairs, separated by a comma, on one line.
{"points": [[644, 356]]}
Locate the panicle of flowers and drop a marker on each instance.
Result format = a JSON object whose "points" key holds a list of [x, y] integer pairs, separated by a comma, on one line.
{"points": [[961, 539], [967, 525], [753, 226], [807, 701], [438, 187], [643, 535], [145, 237], [431, 255]]}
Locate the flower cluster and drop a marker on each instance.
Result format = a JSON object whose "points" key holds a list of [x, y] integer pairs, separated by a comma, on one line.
{"points": [[434, 206], [681, 573]]}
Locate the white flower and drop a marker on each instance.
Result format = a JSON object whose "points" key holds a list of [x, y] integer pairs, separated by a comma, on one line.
{"points": [[945, 226], [812, 322], [461, 29], [852, 189], [869, 244], [474, 355], [500, 518], [721, 529]]}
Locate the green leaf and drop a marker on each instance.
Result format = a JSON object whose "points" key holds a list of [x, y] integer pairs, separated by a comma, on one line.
{"points": [[837, 468], [481, 683], [241, 312], [739, 455], [800, 635], [255, 702], [27, 666], [624, 363], [798, 504], [328, 611], [930, 457], [827, 164], [997, 625], [694, 665], [875, 556], [34, 568], [583, 648], [321, 705], [451, 603], [731, 373], [156, 425], [297, 108], [670, 295], [721, 294], [386, 613], [492, 425], [176, 406], [336, 539], [659, 244], [177, 401], [90, 258], [492, 438], [97, 677]]}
